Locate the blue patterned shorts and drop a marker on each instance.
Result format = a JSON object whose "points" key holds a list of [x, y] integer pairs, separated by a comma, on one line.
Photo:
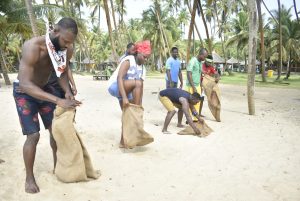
{"points": [[28, 109]]}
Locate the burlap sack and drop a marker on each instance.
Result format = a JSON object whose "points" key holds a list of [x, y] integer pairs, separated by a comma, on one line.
{"points": [[205, 130], [73, 161], [212, 91], [133, 127]]}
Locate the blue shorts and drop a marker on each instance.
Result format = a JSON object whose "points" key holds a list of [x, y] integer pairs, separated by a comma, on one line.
{"points": [[29, 107], [114, 91]]}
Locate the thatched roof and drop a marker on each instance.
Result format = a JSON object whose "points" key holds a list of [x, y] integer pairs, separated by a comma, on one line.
{"points": [[232, 61], [217, 58], [256, 63], [88, 61]]}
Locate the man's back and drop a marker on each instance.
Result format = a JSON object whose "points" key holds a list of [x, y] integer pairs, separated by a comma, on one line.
{"points": [[174, 94]]}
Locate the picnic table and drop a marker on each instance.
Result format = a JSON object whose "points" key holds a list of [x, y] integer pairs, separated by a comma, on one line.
{"points": [[103, 75]]}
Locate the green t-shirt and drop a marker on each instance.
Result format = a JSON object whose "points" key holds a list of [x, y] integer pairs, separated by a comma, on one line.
{"points": [[195, 67]]}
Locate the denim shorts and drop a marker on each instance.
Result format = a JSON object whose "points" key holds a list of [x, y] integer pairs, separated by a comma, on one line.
{"points": [[29, 107], [114, 91]]}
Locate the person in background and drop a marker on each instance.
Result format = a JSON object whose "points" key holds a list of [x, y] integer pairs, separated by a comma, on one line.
{"points": [[173, 70], [129, 51], [194, 71], [209, 69]]}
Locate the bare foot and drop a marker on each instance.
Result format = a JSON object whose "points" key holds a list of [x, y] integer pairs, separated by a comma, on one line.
{"points": [[166, 132], [121, 145], [180, 125], [31, 186]]}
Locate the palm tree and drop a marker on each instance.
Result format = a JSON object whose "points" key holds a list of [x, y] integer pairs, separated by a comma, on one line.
{"points": [[296, 12], [113, 15], [11, 25], [157, 12], [223, 9], [31, 17], [161, 28], [291, 35], [183, 19], [191, 29], [252, 55], [123, 32], [280, 41], [262, 42], [210, 18], [4, 68], [195, 25], [96, 11], [280, 21], [205, 26], [220, 27], [240, 29], [113, 47]]}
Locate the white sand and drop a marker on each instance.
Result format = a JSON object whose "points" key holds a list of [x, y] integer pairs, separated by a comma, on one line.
{"points": [[246, 158]]}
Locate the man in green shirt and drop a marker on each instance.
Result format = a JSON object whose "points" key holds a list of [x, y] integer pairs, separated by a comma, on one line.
{"points": [[194, 70]]}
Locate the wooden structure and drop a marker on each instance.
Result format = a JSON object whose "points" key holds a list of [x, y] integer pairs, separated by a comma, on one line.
{"points": [[104, 70], [102, 75]]}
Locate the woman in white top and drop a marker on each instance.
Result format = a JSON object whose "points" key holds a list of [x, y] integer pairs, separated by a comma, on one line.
{"points": [[126, 83]]}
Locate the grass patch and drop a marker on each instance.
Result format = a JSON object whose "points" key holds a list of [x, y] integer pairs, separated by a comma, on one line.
{"points": [[241, 79]]}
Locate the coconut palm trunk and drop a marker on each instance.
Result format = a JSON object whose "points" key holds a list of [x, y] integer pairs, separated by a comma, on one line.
{"points": [[196, 27], [288, 67], [262, 41], [296, 11], [114, 18], [162, 30], [113, 47], [4, 68], [280, 41], [191, 30], [221, 37], [253, 26], [205, 26], [31, 17]]}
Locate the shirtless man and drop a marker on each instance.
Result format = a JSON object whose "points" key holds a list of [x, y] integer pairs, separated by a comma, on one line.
{"points": [[33, 95]]}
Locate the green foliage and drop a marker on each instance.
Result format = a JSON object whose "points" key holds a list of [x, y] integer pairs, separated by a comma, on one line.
{"points": [[241, 79]]}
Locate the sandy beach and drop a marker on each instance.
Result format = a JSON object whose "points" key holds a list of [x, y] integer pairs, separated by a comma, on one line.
{"points": [[246, 158]]}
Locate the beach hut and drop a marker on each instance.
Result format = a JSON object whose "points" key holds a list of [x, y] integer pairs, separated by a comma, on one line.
{"points": [[88, 64], [232, 61], [219, 62], [217, 58]]}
